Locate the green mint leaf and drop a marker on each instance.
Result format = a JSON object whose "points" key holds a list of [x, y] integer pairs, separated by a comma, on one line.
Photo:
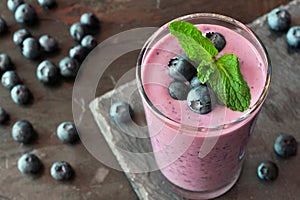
{"points": [[204, 70], [229, 84]]}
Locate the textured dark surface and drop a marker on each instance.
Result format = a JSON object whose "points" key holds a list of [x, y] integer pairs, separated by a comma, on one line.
{"points": [[51, 106]]}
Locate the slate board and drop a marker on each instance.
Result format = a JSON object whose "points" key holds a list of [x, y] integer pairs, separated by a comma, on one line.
{"points": [[280, 113]]}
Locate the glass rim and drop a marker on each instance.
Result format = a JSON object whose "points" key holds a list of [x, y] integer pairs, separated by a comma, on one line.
{"points": [[221, 18]]}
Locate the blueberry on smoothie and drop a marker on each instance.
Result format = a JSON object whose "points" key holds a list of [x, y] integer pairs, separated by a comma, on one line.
{"points": [[217, 39], [267, 171], [285, 145], [3, 116], [3, 26], [293, 36], [61, 171], [13, 4], [20, 35], [178, 90], [199, 100], [181, 69], [29, 164], [68, 67], [67, 132], [23, 132], [48, 43], [5, 62], [9, 79], [20, 94], [120, 112], [31, 48], [279, 19], [47, 72], [25, 14], [195, 82]]}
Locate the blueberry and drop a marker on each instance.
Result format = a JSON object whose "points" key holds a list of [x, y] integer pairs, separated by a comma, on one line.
{"points": [[78, 52], [31, 48], [3, 26], [199, 100], [293, 36], [48, 4], [23, 132], [3, 116], [67, 132], [48, 43], [9, 79], [78, 31], [120, 112], [47, 72], [181, 69], [178, 90], [29, 164], [285, 145], [62, 171], [267, 170], [195, 82], [89, 42], [90, 20], [5, 62], [279, 19], [217, 39], [20, 94], [68, 67], [20, 35], [13, 4], [25, 14]]}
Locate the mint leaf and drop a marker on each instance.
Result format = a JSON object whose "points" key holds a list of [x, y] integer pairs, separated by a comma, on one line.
{"points": [[205, 69]]}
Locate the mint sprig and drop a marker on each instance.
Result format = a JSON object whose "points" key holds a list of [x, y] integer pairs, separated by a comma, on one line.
{"points": [[223, 74]]}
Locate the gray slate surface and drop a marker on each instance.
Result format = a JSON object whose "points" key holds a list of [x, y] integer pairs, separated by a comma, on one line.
{"points": [[279, 114]]}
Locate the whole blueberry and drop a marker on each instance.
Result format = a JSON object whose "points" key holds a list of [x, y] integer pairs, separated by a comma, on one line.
{"points": [[48, 43], [78, 31], [5, 62], [20, 35], [67, 132], [267, 171], [199, 100], [89, 42], [178, 90], [3, 26], [47, 72], [293, 36], [47, 3], [68, 67], [9, 79], [13, 4], [217, 39], [3, 116], [31, 48], [78, 53], [20, 94], [61, 171], [90, 20], [120, 112], [29, 164], [279, 19], [23, 132], [25, 14], [285, 145], [195, 82], [181, 69]]}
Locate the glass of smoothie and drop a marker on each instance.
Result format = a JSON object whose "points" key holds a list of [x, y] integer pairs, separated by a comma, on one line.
{"points": [[200, 154]]}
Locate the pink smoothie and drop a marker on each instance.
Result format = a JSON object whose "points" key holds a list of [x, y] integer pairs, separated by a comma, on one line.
{"points": [[179, 152]]}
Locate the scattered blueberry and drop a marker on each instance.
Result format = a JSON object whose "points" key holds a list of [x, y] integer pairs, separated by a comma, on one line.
{"points": [[78, 31], [3, 26], [9, 79], [20, 94], [217, 39], [267, 170], [62, 171], [13, 4], [78, 53], [47, 3], [89, 42], [68, 67], [23, 132], [47, 72], [279, 19], [195, 82], [3, 116], [285, 145], [199, 100], [293, 36], [20, 35], [90, 20], [29, 164], [31, 48], [25, 14], [181, 69], [178, 90], [48, 43], [120, 112], [67, 132], [5, 62]]}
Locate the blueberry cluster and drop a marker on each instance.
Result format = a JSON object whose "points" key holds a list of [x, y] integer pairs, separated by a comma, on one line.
{"points": [[279, 20]]}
